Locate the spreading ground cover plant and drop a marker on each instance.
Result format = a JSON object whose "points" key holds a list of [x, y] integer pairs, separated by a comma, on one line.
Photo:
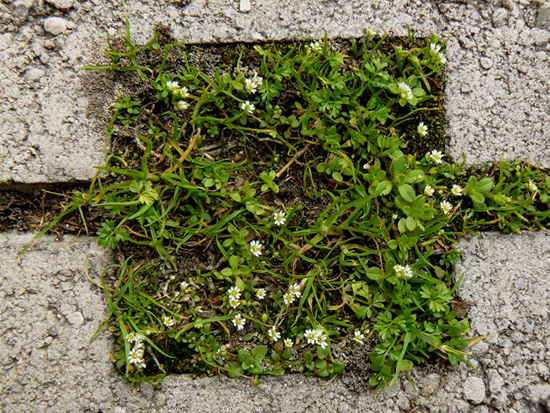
{"points": [[289, 202]]}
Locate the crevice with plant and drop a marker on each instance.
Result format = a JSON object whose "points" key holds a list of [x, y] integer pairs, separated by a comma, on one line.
{"points": [[282, 203]]}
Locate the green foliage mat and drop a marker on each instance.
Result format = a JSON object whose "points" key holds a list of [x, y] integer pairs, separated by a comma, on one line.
{"points": [[277, 206]]}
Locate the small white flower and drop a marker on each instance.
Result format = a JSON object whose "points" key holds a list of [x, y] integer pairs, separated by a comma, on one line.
{"points": [[456, 190], [184, 285], [531, 185], [138, 345], [358, 337], [279, 218], [182, 93], [261, 293], [168, 321], [130, 337], [172, 85], [404, 91], [234, 292], [251, 85], [434, 49], [441, 59], [311, 336], [138, 349], [422, 129], [370, 33], [181, 105], [436, 156], [321, 338], [288, 342], [446, 207], [316, 46], [136, 358], [247, 107], [233, 302], [295, 290], [403, 271], [238, 321], [288, 298], [256, 248], [428, 190], [273, 334]]}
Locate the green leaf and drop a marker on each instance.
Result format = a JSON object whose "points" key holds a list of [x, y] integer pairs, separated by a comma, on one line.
{"points": [[322, 352], [259, 353], [375, 274], [235, 370], [384, 188], [485, 185], [249, 337], [410, 222], [407, 192], [337, 367]]}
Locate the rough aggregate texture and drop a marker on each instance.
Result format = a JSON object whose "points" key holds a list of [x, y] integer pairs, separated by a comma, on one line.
{"points": [[49, 311], [53, 114], [51, 130]]}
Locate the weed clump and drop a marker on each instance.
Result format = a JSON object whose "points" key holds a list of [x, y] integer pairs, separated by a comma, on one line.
{"points": [[293, 202]]}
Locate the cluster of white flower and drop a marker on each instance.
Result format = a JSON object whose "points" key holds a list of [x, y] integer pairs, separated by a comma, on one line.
{"points": [[292, 294], [428, 190], [239, 321], [436, 156], [135, 355], [422, 129], [252, 84], [405, 91], [446, 207], [174, 87], [316, 337], [168, 321], [316, 46], [401, 271], [248, 107], [358, 337], [279, 217], [256, 248], [456, 190], [435, 51], [273, 334], [234, 294]]}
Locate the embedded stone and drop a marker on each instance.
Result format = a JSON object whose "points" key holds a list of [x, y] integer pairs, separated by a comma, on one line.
{"points": [[56, 25], [245, 6], [474, 390], [61, 4]]}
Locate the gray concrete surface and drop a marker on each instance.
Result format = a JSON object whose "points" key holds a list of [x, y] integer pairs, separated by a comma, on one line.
{"points": [[53, 114], [49, 311], [51, 130]]}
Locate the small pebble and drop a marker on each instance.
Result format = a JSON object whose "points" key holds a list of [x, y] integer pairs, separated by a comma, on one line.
{"points": [[61, 4], [486, 63], [474, 390], [245, 6], [57, 25]]}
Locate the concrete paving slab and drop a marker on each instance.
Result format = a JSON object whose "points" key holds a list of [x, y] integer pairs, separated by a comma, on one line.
{"points": [[49, 311], [53, 115]]}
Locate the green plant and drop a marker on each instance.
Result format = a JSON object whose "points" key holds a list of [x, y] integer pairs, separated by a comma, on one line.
{"points": [[261, 268]]}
